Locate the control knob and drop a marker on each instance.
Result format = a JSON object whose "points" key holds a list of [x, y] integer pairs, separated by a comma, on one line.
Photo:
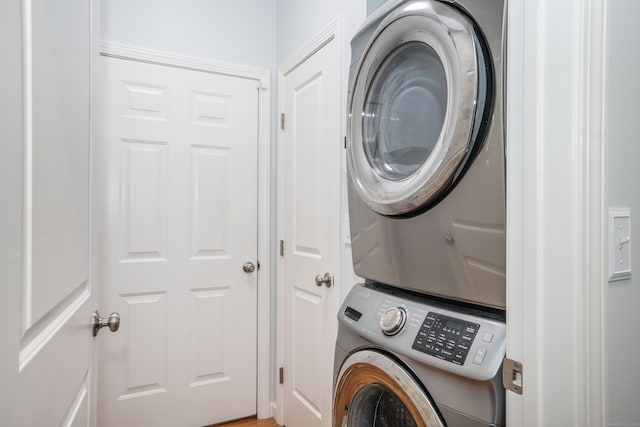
{"points": [[393, 320]]}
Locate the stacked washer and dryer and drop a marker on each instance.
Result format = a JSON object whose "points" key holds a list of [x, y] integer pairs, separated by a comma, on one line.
{"points": [[422, 341]]}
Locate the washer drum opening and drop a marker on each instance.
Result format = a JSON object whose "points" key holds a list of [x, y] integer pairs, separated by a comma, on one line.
{"points": [[372, 389]]}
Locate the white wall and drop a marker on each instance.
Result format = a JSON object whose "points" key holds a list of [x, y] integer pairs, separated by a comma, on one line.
{"points": [[241, 33], [297, 23], [623, 141]]}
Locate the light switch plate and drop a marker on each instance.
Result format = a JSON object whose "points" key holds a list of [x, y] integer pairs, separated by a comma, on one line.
{"points": [[619, 244]]}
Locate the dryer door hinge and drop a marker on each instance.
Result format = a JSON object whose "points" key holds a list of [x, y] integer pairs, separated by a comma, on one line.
{"points": [[281, 373], [512, 376]]}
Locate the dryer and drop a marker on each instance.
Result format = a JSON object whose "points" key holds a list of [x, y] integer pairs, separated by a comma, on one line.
{"points": [[426, 149], [405, 360]]}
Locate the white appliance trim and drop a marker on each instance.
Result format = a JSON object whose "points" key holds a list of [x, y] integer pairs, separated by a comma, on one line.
{"points": [[262, 78]]}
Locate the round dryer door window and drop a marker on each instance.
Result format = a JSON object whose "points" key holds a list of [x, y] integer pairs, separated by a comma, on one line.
{"points": [[374, 390], [416, 109], [404, 111]]}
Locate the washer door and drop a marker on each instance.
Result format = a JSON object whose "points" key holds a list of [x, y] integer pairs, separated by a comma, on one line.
{"points": [[374, 390], [416, 108]]}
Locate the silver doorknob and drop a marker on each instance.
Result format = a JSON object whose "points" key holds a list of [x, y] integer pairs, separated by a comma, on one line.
{"points": [[326, 280], [248, 267], [113, 322]]}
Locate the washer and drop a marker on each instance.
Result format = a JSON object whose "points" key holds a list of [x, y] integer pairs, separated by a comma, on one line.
{"points": [[426, 149], [404, 360]]}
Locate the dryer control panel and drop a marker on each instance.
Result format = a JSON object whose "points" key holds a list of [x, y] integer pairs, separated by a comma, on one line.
{"points": [[456, 339]]}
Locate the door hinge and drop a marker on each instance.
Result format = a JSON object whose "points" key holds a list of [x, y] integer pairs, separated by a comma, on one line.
{"points": [[512, 376], [282, 121], [281, 247], [261, 84], [281, 379]]}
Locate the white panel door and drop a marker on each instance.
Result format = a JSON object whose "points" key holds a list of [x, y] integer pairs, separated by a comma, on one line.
{"points": [[46, 179], [180, 160], [310, 229]]}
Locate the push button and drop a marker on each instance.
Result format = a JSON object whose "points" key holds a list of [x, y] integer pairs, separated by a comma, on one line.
{"points": [[447, 353], [479, 357], [487, 337]]}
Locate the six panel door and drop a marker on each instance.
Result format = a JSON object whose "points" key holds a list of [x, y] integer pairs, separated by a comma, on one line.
{"points": [[180, 160]]}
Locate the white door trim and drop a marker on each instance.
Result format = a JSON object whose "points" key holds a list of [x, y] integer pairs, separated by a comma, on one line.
{"points": [[262, 78], [556, 197], [123, 51], [333, 31], [330, 32]]}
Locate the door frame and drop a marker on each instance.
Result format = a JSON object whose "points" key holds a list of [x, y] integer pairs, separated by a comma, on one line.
{"points": [[333, 31], [556, 198], [262, 77]]}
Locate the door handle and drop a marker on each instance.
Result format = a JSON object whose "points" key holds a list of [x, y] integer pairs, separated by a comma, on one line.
{"points": [[326, 280], [113, 322], [248, 267]]}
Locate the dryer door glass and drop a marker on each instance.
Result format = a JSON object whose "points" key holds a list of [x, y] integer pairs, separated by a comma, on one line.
{"points": [[375, 405], [404, 111]]}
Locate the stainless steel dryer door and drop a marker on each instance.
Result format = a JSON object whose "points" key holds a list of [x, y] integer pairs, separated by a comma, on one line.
{"points": [[372, 389], [416, 105]]}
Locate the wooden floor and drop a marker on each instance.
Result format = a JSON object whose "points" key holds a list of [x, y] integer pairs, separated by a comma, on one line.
{"points": [[251, 422]]}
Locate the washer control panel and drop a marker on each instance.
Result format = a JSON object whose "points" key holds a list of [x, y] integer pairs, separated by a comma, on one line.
{"points": [[446, 337], [456, 339]]}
